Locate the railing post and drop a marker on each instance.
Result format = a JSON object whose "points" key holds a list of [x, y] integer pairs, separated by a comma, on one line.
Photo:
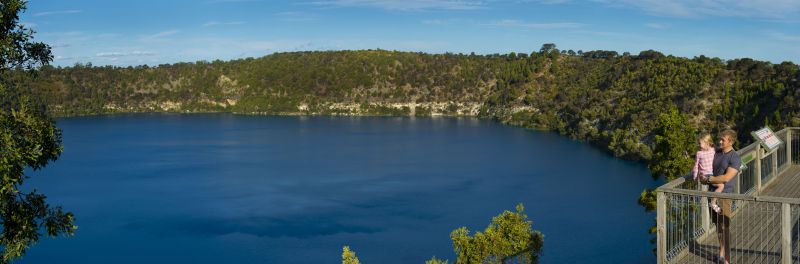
{"points": [[775, 171], [661, 227], [789, 147], [786, 233], [758, 168], [705, 217]]}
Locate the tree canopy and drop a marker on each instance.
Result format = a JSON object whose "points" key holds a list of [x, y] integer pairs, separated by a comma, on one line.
{"points": [[509, 236], [28, 139], [675, 143], [349, 256]]}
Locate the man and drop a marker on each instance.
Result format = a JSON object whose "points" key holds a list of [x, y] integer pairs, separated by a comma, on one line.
{"points": [[726, 168]]}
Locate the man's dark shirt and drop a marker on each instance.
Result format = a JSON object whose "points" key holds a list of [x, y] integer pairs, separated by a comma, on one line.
{"points": [[723, 161]]}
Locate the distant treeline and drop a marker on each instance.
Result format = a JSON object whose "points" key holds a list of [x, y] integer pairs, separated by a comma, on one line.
{"points": [[601, 97]]}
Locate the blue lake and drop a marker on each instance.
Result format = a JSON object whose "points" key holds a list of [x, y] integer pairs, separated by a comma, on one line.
{"points": [[221, 188]]}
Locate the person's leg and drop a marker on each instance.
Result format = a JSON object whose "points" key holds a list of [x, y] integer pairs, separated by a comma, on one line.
{"points": [[716, 218], [721, 237], [724, 218], [726, 227], [717, 189]]}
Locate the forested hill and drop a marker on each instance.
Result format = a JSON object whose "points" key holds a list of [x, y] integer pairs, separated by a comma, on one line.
{"points": [[601, 97]]}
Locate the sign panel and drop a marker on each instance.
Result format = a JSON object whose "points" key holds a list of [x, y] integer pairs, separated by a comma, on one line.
{"points": [[767, 138]]}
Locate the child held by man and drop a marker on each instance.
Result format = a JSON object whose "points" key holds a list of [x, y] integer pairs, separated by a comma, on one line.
{"points": [[703, 166]]}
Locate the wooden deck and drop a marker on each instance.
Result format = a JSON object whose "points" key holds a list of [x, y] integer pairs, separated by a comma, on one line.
{"points": [[755, 228]]}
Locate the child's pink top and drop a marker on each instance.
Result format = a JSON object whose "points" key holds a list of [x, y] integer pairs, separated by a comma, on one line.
{"points": [[703, 162]]}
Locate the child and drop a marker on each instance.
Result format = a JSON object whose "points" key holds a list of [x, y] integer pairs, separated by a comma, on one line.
{"points": [[702, 166]]}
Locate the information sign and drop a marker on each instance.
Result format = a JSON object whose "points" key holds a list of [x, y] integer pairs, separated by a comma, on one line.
{"points": [[767, 138]]}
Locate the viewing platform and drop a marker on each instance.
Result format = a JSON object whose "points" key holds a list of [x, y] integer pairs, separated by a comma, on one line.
{"points": [[766, 208]]}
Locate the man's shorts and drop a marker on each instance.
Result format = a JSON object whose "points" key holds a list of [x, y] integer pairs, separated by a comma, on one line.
{"points": [[726, 206]]}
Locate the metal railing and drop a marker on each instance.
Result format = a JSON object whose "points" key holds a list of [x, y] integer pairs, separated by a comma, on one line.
{"points": [[795, 147], [782, 158], [747, 179], [761, 231], [764, 230]]}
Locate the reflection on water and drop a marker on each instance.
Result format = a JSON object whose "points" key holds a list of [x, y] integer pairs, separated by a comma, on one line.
{"points": [[166, 188]]}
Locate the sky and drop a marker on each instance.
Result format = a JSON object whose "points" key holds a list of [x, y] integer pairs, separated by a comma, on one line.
{"points": [[124, 33]]}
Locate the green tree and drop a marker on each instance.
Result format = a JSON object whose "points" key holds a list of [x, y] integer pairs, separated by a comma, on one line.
{"points": [[675, 138], [547, 48], [349, 257], [674, 141], [509, 236], [16, 48], [434, 260], [650, 54], [28, 139]]}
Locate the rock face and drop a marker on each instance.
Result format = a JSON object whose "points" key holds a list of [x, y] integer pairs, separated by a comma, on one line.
{"points": [[316, 83]]}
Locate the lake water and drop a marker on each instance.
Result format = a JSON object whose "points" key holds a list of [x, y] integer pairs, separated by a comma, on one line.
{"points": [[221, 188]]}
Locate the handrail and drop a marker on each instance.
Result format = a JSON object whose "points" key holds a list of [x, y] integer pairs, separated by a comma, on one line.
{"points": [[677, 181], [735, 196], [746, 149]]}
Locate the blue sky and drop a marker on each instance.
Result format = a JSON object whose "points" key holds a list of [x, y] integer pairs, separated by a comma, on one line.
{"points": [[155, 32]]}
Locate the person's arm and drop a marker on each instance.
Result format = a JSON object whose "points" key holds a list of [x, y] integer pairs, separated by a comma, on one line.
{"points": [[729, 174]]}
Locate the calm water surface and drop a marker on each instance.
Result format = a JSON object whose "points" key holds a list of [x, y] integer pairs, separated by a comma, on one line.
{"points": [[214, 188]]}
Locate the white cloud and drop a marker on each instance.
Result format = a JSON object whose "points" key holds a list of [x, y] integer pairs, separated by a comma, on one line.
{"points": [[59, 12], [215, 23], [124, 54], [783, 36], [108, 35], [295, 16], [434, 22], [67, 58], [408, 4], [440, 21], [546, 2], [163, 34], [765, 9], [232, 1], [75, 38], [522, 24], [609, 34], [63, 34], [66, 38], [656, 25], [159, 36]]}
